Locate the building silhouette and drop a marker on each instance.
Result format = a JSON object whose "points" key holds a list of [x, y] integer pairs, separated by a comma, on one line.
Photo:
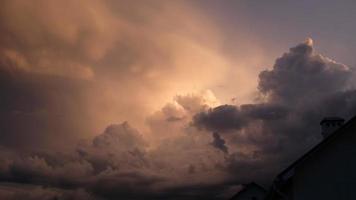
{"points": [[250, 191], [325, 172]]}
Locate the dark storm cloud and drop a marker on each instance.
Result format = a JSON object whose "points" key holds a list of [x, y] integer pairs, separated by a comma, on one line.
{"points": [[112, 165], [224, 117], [219, 142], [300, 89], [300, 81], [230, 117]]}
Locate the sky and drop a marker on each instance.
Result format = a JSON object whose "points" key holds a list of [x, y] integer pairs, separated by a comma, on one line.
{"points": [[166, 99]]}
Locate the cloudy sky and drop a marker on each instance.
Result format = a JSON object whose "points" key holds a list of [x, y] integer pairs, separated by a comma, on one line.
{"points": [[166, 99]]}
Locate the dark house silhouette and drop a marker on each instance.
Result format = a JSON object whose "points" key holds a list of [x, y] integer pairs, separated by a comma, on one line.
{"points": [[250, 191], [325, 172]]}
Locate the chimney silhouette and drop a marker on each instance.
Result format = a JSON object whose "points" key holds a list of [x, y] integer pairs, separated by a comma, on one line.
{"points": [[330, 124]]}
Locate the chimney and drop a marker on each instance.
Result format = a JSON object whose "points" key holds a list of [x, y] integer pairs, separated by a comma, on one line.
{"points": [[330, 124]]}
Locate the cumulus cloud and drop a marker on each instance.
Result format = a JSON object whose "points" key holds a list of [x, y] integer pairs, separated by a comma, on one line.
{"points": [[112, 165], [119, 164], [301, 74], [300, 89], [122, 134]]}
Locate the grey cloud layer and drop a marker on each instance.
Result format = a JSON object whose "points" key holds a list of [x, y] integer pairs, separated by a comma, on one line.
{"points": [[116, 164]]}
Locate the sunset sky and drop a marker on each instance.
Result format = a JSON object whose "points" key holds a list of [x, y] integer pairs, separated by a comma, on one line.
{"points": [[146, 99]]}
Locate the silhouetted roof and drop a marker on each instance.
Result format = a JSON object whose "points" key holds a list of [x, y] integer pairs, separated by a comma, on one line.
{"points": [[248, 186], [338, 119], [283, 178], [322, 144]]}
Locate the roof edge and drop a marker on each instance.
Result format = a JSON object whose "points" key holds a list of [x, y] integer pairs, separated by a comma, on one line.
{"points": [[317, 147]]}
